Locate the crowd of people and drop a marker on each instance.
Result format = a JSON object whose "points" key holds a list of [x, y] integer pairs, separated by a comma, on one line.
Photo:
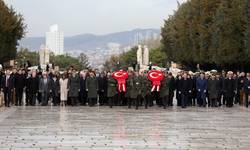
{"points": [[89, 87]]}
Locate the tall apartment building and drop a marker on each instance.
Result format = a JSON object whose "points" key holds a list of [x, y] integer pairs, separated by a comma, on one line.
{"points": [[55, 40]]}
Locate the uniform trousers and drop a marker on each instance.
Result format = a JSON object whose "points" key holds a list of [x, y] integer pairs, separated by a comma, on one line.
{"points": [[73, 101], [165, 101]]}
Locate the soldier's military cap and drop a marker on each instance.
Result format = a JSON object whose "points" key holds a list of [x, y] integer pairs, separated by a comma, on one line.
{"points": [[170, 73], [102, 72], [74, 70], [202, 73], [230, 72], [145, 71], [223, 71], [130, 71]]}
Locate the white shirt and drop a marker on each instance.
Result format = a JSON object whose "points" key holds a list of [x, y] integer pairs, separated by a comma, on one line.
{"points": [[7, 77]]}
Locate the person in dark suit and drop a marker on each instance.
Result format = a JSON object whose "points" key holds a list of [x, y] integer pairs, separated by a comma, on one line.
{"points": [[83, 92], [178, 94], [32, 88], [240, 88], [102, 81], [229, 88], [19, 81], [134, 64], [7, 86], [184, 90], [55, 87], [246, 83], [44, 89], [220, 80], [201, 85]]}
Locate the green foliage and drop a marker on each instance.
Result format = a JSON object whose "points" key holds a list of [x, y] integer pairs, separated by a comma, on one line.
{"points": [[64, 62], [156, 57], [213, 33], [33, 57], [12, 29], [129, 58], [83, 58]]}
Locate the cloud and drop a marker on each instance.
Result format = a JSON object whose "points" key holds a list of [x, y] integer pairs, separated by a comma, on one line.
{"points": [[93, 16]]}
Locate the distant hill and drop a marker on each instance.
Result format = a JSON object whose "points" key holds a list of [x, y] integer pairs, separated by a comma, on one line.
{"points": [[88, 41]]}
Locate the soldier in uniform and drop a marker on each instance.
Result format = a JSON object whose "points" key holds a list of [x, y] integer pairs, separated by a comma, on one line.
{"points": [[111, 93], [220, 87], [229, 88], [213, 89], [92, 87], [146, 94], [136, 81], [164, 93], [129, 87], [73, 87]]}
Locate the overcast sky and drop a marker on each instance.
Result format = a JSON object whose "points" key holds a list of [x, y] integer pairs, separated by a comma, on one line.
{"points": [[98, 17]]}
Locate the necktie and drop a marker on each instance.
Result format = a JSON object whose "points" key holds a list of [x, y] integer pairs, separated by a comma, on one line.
{"points": [[7, 84], [45, 82]]}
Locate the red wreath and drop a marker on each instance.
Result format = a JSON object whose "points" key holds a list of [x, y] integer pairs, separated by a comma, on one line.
{"points": [[121, 76], [156, 77]]}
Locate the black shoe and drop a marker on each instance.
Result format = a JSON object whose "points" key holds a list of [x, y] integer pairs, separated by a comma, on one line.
{"points": [[146, 107], [193, 104], [136, 107], [204, 106], [246, 106], [199, 105], [90, 105], [220, 105], [16, 104], [8, 105], [164, 107], [129, 107], [110, 106]]}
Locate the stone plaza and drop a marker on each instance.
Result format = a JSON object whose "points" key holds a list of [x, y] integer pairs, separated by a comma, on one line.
{"points": [[99, 127]]}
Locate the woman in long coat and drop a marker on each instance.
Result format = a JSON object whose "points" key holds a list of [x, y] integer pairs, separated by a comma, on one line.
{"points": [[63, 89]]}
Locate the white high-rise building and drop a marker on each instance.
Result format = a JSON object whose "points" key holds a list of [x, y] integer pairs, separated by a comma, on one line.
{"points": [[55, 40]]}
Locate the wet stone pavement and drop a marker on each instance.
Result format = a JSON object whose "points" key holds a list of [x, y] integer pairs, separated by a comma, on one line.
{"points": [[99, 127]]}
